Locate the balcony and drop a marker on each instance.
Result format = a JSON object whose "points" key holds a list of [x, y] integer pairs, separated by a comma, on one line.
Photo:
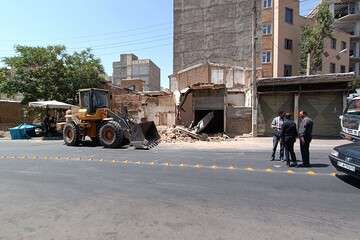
{"points": [[342, 10], [354, 56], [346, 15]]}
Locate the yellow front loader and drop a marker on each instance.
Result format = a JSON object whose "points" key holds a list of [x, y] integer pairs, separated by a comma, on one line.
{"points": [[95, 120]]}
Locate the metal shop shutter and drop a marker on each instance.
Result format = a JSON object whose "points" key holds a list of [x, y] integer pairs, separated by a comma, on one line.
{"points": [[324, 109], [269, 106]]}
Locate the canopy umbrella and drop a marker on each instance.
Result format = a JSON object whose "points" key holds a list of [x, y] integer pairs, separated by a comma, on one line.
{"points": [[50, 105]]}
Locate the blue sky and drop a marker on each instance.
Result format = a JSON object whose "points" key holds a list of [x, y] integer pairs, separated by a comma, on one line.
{"points": [[110, 27]]}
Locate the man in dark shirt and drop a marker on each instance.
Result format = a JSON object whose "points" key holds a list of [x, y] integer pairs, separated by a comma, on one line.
{"points": [[305, 135], [288, 135]]}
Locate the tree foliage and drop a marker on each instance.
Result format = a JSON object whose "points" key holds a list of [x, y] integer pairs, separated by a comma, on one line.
{"points": [[313, 36], [49, 73]]}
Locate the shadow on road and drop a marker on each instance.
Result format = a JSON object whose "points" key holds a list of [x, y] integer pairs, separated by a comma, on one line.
{"points": [[319, 165], [349, 180], [315, 165]]}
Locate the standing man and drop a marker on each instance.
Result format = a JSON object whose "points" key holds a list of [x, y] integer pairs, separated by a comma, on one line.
{"points": [[305, 135], [288, 134], [276, 125]]}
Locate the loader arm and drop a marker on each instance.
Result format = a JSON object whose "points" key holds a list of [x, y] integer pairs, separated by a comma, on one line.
{"points": [[142, 136]]}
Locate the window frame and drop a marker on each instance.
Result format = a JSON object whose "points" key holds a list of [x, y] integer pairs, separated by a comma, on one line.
{"points": [[289, 18], [268, 28], [332, 67], [287, 67], [333, 43], [342, 69], [268, 57], [266, 4], [288, 41]]}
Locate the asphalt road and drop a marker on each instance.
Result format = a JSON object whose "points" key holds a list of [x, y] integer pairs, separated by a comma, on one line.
{"points": [[214, 191]]}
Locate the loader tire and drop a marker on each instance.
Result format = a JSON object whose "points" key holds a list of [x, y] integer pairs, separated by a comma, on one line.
{"points": [[111, 135], [71, 134]]}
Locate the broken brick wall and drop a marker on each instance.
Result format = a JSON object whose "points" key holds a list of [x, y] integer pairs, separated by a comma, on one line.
{"points": [[160, 109], [193, 76]]}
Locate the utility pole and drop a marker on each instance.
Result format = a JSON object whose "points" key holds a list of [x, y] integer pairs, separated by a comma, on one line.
{"points": [[254, 83], [308, 64]]}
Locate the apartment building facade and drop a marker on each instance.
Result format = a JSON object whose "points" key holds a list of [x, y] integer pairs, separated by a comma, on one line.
{"points": [[347, 19], [281, 27], [212, 31], [130, 71]]}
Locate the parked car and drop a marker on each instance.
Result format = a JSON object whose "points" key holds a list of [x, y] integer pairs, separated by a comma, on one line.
{"points": [[346, 159]]}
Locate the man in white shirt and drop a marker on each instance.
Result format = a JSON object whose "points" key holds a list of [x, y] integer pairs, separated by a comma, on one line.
{"points": [[276, 125]]}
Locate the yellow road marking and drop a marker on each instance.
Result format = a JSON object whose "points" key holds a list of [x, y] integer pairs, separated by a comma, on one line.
{"points": [[311, 173], [154, 163], [290, 172]]}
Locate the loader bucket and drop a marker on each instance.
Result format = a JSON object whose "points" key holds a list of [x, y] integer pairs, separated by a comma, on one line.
{"points": [[145, 135]]}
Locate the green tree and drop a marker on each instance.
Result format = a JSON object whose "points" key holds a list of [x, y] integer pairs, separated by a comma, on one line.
{"points": [[313, 36], [49, 73], [86, 69]]}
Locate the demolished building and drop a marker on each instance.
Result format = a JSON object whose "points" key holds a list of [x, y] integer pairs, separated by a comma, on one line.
{"points": [[223, 90], [157, 106]]}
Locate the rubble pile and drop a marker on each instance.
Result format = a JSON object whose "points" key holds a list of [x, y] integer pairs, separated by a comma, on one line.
{"points": [[174, 135], [179, 134]]}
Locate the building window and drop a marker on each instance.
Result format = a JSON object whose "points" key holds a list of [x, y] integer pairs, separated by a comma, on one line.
{"points": [[343, 45], [333, 43], [267, 3], [289, 15], [352, 68], [287, 70], [217, 76], [267, 29], [288, 44], [332, 68], [343, 69], [266, 57]]}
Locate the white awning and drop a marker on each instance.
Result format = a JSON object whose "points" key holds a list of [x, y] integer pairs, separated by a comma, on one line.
{"points": [[50, 105]]}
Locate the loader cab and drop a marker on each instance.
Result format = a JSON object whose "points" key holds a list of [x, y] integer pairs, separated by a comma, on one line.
{"points": [[93, 99]]}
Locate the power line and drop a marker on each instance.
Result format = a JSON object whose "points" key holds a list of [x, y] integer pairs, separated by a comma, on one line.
{"points": [[130, 44], [134, 50], [95, 35], [114, 44]]}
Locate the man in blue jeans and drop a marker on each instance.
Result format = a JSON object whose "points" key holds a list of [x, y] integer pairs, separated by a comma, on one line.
{"points": [[276, 125]]}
